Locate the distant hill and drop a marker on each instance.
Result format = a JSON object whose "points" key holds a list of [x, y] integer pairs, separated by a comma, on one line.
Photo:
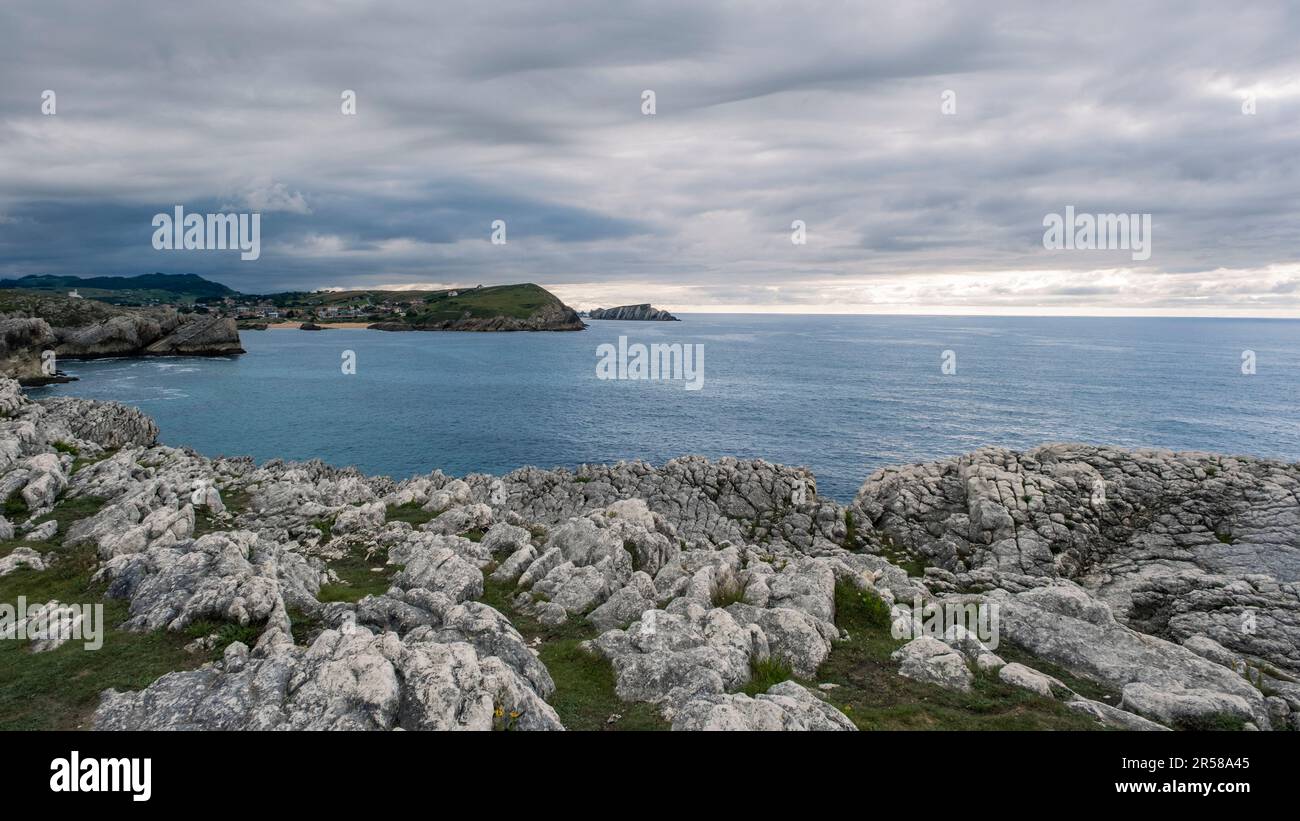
{"points": [[143, 289], [523, 307]]}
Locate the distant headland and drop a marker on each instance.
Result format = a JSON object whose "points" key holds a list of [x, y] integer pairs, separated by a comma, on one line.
{"points": [[643, 313]]}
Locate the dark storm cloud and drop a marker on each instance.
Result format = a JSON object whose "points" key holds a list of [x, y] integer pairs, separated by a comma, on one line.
{"points": [[767, 113]]}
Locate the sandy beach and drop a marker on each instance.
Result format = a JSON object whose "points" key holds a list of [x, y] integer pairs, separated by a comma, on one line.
{"points": [[294, 326]]}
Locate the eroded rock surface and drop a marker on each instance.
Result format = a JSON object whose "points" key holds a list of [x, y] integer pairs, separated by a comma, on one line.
{"points": [[1168, 578]]}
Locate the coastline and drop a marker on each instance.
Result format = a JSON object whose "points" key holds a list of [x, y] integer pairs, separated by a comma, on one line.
{"points": [[753, 579]]}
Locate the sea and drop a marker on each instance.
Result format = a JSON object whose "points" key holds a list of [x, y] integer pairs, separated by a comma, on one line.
{"points": [[841, 395]]}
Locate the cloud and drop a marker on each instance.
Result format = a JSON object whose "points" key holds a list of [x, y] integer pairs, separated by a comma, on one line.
{"points": [[766, 113]]}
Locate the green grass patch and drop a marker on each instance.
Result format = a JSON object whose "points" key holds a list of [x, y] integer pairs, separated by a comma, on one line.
{"points": [[851, 541], [763, 674], [913, 564], [70, 510], [60, 689], [227, 633], [584, 692], [15, 507], [411, 513], [66, 447], [357, 578]]}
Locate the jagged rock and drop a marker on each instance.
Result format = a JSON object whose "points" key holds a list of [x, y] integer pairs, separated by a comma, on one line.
{"points": [[441, 570], [1178, 544], [785, 706], [22, 340], [347, 679], [793, 636], [20, 558], [43, 532], [927, 659], [669, 659], [1064, 625], [108, 424], [626, 605], [221, 576], [643, 312], [1113, 716], [369, 516], [1018, 675]]}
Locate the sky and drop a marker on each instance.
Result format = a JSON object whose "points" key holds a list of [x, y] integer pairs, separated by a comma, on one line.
{"points": [[920, 144]]}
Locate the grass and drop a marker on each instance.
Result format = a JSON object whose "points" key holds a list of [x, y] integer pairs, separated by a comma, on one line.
{"points": [[356, 578], [15, 507], [763, 674], [236, 500], [727, 592], [410, 513], [64, 447], [913, 564], [326, 528], [851, 534], [875, 697], [71, 510], [517, 301], [60, 689], [584, 692], [1211, 722], [227, 633]]}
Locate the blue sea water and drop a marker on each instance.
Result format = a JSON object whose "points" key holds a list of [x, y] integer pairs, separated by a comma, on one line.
{"points": [[842, 395]]}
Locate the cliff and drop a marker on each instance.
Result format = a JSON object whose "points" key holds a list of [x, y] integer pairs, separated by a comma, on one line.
{"points": [[89, 329], [641, 313]]}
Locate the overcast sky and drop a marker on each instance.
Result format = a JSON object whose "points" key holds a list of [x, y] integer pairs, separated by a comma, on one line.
{"points": [[766, 113]]}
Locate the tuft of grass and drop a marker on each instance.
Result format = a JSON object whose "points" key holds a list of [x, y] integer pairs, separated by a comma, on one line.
{"points": [[227, 633], [851, 541], [65, 447], [1211, 723], [326, 528], [475, 535], [357, 579], [15, 507], [863, 606], [69, 510], [409, 513], [763, 674], [303, 627], [913, 563], [727, 592]]}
